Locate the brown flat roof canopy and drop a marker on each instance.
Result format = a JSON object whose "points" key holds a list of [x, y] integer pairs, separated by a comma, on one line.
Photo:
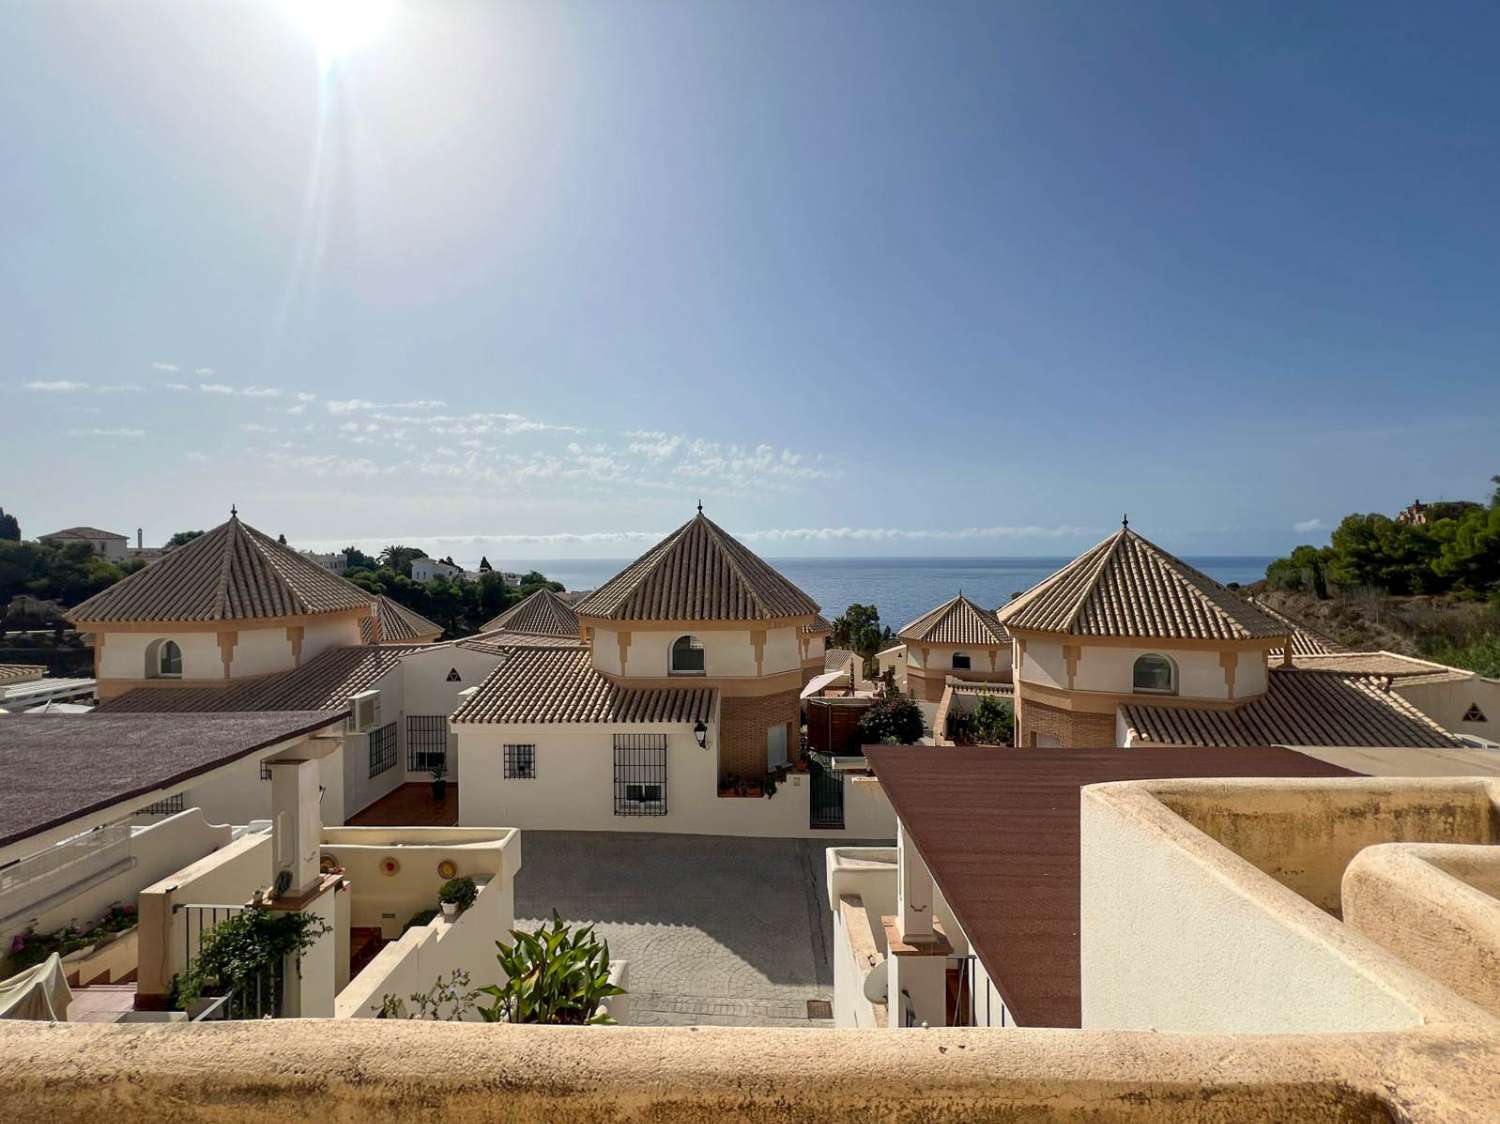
{"points": [[61, 767], [998, 828]]}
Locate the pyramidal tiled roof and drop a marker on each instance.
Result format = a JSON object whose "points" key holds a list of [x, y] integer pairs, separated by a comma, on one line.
{"points": [[956, 621], [697, 573], [1127, 586], [233, 572], [399, 624], [543, 613]]}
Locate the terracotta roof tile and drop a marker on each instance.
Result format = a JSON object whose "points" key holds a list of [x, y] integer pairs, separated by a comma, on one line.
{"points": [[501, 641], [233, 572], [957, 621], [698, 572], [818, 626], [1299, 708], [1375, 663], [1127, 586], [93, 533], [543, 613], [398, 624], [544, 685], [20, 672], [1305, 641], [999, 829], [324, 682]]}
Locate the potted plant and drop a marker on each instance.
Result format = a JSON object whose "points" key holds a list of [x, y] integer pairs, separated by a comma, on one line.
{"points": [[769, 786], [439, 780], [457, 895]]}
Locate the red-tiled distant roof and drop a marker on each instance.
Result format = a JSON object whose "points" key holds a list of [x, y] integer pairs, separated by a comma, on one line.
{"points": [[560, 685], [1127, 586], [324, 682], [999, 830], [697, 573], [817, 626], [1299, 707], [59, 767], [501, 641], [543, 613], [233, 572], [956, 621]]}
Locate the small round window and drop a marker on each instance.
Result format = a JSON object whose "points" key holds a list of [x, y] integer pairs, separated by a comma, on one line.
{"points": [[687, 656]]}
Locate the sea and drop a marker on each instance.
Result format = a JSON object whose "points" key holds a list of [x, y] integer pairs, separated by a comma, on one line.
{"points": [[901, 588]]}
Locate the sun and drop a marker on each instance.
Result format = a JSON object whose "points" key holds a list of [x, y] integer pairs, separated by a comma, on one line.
{"points": [[339, 26]]}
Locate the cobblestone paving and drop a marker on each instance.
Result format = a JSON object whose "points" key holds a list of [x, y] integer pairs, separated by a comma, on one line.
{"points": [[718, 931]]}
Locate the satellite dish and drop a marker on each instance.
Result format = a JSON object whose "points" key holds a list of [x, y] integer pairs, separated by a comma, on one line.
{"points": [[283, 882], [877, 982]]}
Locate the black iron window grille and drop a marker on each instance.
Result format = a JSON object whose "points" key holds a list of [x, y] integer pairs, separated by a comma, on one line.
{"points": [[426, 742], [520, 762], [168, 807], [265, 770], [640, 774], [382, 749]]}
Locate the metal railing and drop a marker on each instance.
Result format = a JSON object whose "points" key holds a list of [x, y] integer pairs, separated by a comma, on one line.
{"points": [[258, 997], [30, 880], [964, 1006]]}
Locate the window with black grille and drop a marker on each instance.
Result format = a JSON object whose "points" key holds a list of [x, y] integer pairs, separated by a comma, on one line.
{"points": [[382, 749], [168, 807], [426, 742], [265, 770], [520, 762], [640, 774]]}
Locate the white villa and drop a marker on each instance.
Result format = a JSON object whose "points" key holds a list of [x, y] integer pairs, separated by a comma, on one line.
{"points": [[678, 692]]}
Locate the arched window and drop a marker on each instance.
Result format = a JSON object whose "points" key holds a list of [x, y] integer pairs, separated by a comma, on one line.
{"points": [[163, 660], [960, 661], [687, 656], [1155, 674]]}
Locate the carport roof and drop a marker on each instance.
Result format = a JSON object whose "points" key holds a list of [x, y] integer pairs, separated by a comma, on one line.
{"points": [[60, 767], [999, 829]]}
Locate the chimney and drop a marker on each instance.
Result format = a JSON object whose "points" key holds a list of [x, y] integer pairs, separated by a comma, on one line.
{"points": [[140, 539]]}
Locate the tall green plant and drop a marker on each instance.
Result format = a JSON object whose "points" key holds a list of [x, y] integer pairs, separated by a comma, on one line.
{"points": [[555, 975], [235, 951]]}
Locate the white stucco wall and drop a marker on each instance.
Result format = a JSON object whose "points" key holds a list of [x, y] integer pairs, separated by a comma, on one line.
{"points": [[124, 654], [1446, 703], [727, 654], [574, 787], [1169, 944], [986, 659], [1110, 669], [257, 651]]}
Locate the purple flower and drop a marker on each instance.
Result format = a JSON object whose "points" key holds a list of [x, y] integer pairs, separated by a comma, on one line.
{"points": [[18, 942]]}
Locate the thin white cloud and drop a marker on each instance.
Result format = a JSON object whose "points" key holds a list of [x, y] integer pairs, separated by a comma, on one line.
{"points": [[1310, 525], [58, 386], [107, 432], [256, 427], [215, 388], [169, 367], [119, 387], [178, 386], [902, 534], [261, 392], [300, 408], [356, 405], [303, 396], [196, 457], [202, 371]]}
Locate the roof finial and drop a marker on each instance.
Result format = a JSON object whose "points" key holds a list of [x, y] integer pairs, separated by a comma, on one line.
{"points": [[233, 511], [700, 507], [1125, 520]]}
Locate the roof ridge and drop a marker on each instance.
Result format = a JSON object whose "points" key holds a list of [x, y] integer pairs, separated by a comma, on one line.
{"points": [[1092, 582], [719, 535]]}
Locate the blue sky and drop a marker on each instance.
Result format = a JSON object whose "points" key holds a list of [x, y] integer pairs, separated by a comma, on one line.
{"points": [[867, 277]]}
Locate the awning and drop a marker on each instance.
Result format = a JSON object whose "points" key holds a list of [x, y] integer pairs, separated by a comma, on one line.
{"points": [[818, 682]]}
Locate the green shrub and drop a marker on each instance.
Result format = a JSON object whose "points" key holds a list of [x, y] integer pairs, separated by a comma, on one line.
{"points": [[460, 891], [31, 947], [421, 917], [555, 975], [994, 721], [236, 951]]}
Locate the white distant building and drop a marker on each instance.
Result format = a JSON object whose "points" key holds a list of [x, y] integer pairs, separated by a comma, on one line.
{"points": [[426, 569], [106, 544], [335, 562]]}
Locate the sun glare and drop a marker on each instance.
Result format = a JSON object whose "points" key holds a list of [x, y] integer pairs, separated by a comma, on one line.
{"points": [[339, 26]]}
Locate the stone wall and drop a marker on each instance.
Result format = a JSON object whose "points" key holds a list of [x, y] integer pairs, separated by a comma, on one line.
{"points": [[743, 723]]}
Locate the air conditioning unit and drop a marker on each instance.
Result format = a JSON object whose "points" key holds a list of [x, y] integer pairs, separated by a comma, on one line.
{"points": [[364, 713]]}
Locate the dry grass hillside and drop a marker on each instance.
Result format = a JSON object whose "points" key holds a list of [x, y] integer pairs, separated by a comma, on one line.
{"points": [[1442, 628]]}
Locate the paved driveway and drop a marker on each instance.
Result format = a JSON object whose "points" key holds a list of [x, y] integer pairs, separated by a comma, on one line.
{"points": [[730, 932]]}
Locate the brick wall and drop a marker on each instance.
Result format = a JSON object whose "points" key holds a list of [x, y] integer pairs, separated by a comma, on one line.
{"points": [[743, 723], [1073, 729]]}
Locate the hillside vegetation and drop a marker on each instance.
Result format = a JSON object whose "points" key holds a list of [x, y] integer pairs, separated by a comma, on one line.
{"points": [[1421, 588]]}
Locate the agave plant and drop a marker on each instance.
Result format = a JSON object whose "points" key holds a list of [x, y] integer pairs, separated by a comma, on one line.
{"points": [[554, 975]]}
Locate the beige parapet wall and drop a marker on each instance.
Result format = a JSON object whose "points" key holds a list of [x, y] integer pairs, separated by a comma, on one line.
{"points": [[1213, 906], [374, 1071]]}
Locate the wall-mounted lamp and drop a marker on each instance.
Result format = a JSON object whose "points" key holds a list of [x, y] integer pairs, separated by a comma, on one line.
{"points": [[700, 731]]}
